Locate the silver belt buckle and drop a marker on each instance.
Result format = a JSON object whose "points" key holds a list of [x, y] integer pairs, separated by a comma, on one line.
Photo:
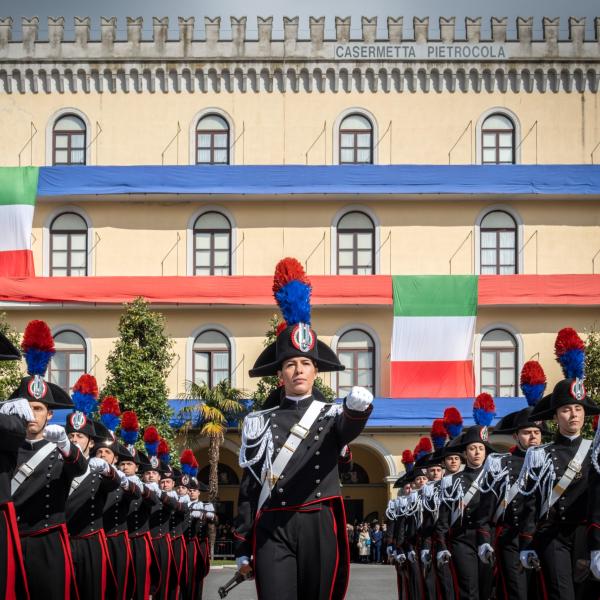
{"points": [[299, 431]]}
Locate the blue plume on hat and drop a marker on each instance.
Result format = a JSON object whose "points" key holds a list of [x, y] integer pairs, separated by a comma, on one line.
{"points": [[292, 291], [570, 353], [130, 428]]}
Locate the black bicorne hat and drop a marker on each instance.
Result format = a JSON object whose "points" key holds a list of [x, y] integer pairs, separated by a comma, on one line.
{"points": [[292, 291], [143, 462], [8, 351], [196, 484], [476, 434], [295, 340], [452, 448], [434, 459], [567, 391], [78, 422], [105, 438], [36, 389], [520, 419]]}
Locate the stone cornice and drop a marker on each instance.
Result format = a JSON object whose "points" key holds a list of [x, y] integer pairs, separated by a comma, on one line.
{"points": [[448, 63]]}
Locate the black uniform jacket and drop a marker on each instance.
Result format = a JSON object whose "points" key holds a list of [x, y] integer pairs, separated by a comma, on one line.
{"points": [[85, 506], [510, 521], [138, 516], [40, 500], [571, 508], [12, 435], [470, 516], [593, 536], [312, 473], [116, 509]]}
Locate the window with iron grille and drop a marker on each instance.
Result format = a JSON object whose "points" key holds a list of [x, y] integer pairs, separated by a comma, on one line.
{"points": [[211, 358], [212, 244], [69, 361], [212, 141], [69, 141], [355, 244], [356, 352], [498, 140], [498, 244], [68, 246], [356, 140], [498, 362]]}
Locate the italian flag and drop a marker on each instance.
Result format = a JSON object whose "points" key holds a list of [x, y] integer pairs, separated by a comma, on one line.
{"points": [[432, 337], [18, 189]]}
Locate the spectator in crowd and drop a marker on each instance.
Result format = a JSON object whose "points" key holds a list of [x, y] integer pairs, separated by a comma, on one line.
{"points": [[376, 543], [364, 543]]}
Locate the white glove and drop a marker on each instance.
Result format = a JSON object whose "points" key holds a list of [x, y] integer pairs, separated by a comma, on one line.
{"points": [[485, 553], [99, 465], [425, 557], [412, 556], [595, 563], [390, 551], [401, 558], [153, 487], [185, 499], [210, 511], [241, 561], [123, 480], [359, 399], [57, 435], [172, 494], [137, 482], [527, 557], [19, 407], [443, 557]]}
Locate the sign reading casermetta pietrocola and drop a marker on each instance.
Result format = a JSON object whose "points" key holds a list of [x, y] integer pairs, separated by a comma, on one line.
{"points": [[411, 51]]}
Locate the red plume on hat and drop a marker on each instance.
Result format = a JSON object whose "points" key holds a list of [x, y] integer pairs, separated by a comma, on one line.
{"points": [[408, 460], [423, 447], [151, 439], [438, 433]]}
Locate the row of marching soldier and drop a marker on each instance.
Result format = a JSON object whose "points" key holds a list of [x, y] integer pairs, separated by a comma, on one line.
{"points": [[472, 522], [84, 514]]}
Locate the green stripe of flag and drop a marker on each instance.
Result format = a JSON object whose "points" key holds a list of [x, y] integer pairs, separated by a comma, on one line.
{"points": [[18, 185], [435, 295]]}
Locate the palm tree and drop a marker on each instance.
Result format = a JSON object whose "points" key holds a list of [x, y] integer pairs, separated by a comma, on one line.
{"points": [[210, 409]]}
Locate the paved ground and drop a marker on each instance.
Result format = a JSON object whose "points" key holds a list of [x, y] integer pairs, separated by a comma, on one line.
{"points": [[367, 582]]}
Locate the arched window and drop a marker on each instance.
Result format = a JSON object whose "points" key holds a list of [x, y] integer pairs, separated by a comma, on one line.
{"points": [[498, 140], [356, 352], [69, 362], [69, 141], [356, 140], [212, 141], [212, 244], [68, 246], [211, 359], [355, 244], [498, 231], [226, 475], [499, 363]]}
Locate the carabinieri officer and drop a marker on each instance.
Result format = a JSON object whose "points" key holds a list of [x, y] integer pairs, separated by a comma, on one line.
{"points": [[291, 527]]}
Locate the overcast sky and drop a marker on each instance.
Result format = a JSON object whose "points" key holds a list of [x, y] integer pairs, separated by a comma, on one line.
{"points": [[329, 9]]}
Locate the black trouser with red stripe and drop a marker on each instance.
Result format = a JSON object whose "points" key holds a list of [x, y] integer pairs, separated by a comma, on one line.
{"points": [[164, 556], [13, 582], [179, 568], [145, 565], [473, 578], [120, 558], [296, 554], [93, 569], [49, 564]]}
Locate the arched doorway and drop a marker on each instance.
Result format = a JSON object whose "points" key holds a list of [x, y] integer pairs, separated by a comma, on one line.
{"points": [[364, 487]]}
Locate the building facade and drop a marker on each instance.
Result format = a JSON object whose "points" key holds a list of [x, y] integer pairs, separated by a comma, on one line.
{"points": [[393, 107]]}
